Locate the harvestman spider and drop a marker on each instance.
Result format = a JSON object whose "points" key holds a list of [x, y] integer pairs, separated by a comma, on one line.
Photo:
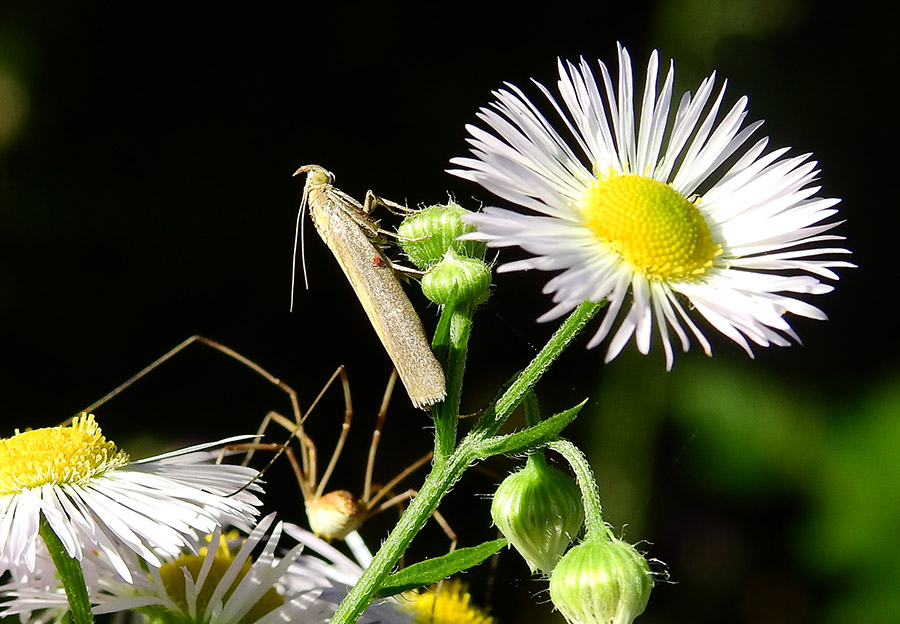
{"points": [[331, 515]]}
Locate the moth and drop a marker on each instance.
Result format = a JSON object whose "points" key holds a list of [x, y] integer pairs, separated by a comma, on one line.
{"points": [[353, 236]]}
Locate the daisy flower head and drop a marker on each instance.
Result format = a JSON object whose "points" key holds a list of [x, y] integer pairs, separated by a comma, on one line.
{"points": [[96, 500], [449, 603], [669, 218], [223, 579]]}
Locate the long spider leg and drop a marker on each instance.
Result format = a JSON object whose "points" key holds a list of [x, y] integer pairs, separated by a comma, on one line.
{"points": [[376, 436], [407, 495], [177, 349], [279, 449], [345, 428], [390, 485]]}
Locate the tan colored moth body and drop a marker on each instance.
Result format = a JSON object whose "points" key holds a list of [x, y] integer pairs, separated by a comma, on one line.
{"points": [[349, 231]]}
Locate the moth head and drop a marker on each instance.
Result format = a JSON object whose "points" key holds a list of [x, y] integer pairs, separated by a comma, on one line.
{"points": [[316, 175]]}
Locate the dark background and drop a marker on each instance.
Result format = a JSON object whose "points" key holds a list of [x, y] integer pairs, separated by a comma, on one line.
{"points": [[146, 155]]}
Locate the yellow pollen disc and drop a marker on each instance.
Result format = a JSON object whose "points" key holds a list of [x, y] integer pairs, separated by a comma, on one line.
{"points": [[453, 605], [650, 225], [57, 455], [172, 575]]}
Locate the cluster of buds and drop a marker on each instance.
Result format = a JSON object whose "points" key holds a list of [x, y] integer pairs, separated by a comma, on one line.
{"points": [[602, 580], [539, 509], [454, 269]]}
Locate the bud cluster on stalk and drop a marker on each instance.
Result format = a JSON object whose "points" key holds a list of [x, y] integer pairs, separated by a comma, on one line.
{"points": [[602, 580], [454, 269]]}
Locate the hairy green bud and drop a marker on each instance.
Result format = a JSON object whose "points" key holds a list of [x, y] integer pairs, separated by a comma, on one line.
{"points": [[431, 232], [457, 278], [538, 509], [603, 581]]}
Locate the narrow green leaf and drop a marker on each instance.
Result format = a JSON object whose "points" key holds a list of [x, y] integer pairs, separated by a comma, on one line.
{"points": [[433, 570], [530, 438]]}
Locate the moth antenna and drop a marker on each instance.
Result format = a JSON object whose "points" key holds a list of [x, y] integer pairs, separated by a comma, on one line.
{"points": [[300, 241], [304, 209]]}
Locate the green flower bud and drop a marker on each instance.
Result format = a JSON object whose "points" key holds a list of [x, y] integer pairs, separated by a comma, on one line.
{"points": [[603, 581], [431, 232], [457, 278], [538, 509]]}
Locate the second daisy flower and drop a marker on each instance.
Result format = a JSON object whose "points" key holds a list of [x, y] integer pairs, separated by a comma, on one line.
{"points": [[678, 217]]}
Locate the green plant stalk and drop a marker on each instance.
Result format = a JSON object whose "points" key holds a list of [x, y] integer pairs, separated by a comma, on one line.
{"points": [[532, 410], [446, 472], [497, 414], [446, 414], [437, 483], [590, 494], [71, 575]]}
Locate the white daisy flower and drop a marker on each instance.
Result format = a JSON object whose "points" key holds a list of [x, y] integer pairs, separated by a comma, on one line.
{"points": [[227, 585], [95, 500], [223, 584], [679, 216]]}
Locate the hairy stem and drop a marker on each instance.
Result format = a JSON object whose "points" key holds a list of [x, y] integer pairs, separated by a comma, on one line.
{"points": [[71, 575]]}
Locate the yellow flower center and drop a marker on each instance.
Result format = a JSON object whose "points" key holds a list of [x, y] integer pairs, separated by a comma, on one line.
{"points": [[173, 577], [650, 225], [451, 604], [57, 455]]}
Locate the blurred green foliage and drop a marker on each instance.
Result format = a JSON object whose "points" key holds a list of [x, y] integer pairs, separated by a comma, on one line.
{"points": [[765, 479]]}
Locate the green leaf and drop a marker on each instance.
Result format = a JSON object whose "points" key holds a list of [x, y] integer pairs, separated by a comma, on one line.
{"points": [[433, 570], [530, 438]]}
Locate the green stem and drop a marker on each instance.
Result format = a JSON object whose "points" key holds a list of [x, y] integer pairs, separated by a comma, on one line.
{"points": [[496, 415], [532, 410], [69, 571], [436, 485], [590, 493], [448, 468], [453, 356]]}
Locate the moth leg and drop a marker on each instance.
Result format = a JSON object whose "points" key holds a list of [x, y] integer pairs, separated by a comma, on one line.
{"points": [[373, 201]]}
